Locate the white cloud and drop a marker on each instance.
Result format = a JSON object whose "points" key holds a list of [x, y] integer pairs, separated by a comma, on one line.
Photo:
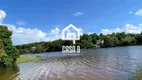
{"points": [[108, 31], [139, 12], [2, 16], [78, 14], [23, 35], [54, 34], [131, 12], [26, 35], [128, 28], [21, 23]]}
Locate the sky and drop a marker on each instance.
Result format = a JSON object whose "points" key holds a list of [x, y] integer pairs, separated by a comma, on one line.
{"points": [[43, 20]]}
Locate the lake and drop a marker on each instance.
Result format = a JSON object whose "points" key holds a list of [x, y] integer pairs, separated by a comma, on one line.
{"points": [[118, 63]]}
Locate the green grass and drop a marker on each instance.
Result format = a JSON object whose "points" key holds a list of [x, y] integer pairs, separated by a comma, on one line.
{"points": [[138, 75], [27, 58]]}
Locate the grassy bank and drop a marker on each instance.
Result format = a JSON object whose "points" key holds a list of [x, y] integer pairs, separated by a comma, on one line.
{"points": [[27, 58], [138, 75]]}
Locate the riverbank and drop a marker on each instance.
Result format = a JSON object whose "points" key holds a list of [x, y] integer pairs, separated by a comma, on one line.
{"points": [[138, 74], [27, 58]]}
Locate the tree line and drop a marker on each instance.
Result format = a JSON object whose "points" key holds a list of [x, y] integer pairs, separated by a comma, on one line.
{"points": [[86, 41]]}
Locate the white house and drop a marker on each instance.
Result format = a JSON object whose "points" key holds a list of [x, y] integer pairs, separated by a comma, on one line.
{"points": [[98, 43]]}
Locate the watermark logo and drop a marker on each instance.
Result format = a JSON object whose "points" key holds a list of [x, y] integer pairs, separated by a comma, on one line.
{"points": [[67, 34]]}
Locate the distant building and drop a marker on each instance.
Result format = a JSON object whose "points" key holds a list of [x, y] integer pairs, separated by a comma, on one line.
{"points": [[98, 43], [33, 48]]}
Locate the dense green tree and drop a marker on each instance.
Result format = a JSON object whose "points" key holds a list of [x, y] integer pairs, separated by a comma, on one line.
{"points": [[8, 52], [95, 37], [108, 41], [139, 39], [86, 41]]}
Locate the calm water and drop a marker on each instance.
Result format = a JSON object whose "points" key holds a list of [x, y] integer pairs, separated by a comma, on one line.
{"points": [[95, 64]]}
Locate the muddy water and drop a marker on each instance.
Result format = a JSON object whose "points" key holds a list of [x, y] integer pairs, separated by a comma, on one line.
{"points": [[94, 64]]}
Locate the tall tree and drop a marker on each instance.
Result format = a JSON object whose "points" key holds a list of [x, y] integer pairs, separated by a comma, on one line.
{"points": [[8, 52]]}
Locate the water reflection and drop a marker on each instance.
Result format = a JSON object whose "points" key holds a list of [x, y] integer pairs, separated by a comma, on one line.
{"points": [[7, 73], [95, 64]]}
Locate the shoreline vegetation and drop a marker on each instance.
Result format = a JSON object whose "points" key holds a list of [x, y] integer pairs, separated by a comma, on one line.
{"points": [[138, 74], [87, 41], [27, 58]]}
